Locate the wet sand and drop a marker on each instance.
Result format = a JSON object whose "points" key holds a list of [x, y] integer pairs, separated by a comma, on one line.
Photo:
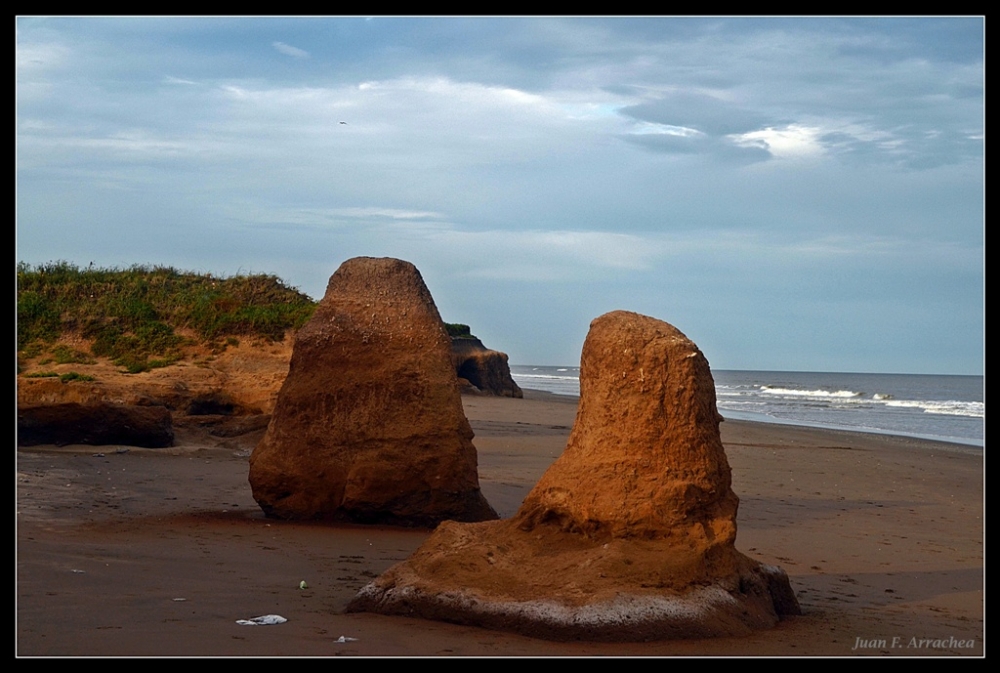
{"points": [[125, 551]]}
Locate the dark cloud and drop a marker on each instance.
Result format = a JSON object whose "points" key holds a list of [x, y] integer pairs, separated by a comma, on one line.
{"points": [[719, 149], [708, 114]]}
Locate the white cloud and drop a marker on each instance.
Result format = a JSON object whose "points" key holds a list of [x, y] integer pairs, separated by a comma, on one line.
{"points": [[289, 50], [792, 142], [132, 144], [30, 57], [391, 213], [418, 122], [651, 128], [320, 216], [170, 79], [236, 91], [532, 255]]}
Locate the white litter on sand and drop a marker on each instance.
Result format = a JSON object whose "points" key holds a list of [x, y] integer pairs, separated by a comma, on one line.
{"points": [[264, 620]]}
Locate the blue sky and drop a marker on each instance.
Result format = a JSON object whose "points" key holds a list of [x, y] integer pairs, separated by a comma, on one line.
{"points": [[797, 194]]}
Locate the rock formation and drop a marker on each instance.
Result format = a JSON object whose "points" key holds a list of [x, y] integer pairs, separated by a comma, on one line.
{"points": [[481, 369], [244, 379], [369, 425], [94, 424], [628, 536]]}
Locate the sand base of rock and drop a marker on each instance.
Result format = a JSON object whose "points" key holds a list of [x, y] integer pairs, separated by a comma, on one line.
{"points": [[491, 575]]}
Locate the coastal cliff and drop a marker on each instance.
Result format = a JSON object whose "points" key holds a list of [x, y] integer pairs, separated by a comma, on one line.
{"points": [[213, 351], [482, 370]]}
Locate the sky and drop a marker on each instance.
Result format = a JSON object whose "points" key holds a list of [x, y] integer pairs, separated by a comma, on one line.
{"points": [[791, 193]]}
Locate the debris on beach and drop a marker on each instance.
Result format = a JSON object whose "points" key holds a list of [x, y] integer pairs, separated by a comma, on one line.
{"points": [[369, 425], [263, 620], [629, 535]]}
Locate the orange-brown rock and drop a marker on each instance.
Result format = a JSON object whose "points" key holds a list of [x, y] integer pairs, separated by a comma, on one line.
{"points": [[244, 380], [482, 370], [644, 459], [628, 536], [369, 425]]}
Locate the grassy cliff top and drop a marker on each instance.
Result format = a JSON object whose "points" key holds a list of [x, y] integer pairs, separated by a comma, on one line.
{"points": [[133, 315], [457, 330]]}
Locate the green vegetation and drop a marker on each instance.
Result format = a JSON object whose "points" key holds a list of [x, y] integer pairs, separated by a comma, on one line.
{"points": [[131, 315], [75, 376], [64, 355], [459, 331], [65, 378]]}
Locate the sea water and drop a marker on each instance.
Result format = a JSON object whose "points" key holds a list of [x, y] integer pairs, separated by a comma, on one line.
{"points": [[948, 408]]}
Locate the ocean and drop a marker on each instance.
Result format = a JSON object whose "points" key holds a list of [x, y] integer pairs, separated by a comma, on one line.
{"points": [[942, 407]]}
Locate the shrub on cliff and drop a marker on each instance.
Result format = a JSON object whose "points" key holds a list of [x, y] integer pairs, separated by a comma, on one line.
{"points": [[457, 330]]}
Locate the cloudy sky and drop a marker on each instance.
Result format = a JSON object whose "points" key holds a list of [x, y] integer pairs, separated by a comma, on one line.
{"points": [[793, 194]]}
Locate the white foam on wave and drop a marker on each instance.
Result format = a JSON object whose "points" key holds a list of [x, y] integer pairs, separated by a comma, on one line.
{"points": [[944, 407], [791, 392], [518, 375]]}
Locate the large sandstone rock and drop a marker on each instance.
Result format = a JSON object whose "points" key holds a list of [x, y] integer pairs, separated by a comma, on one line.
{"points": [[628, 536], [484, 370], [645, 458], [369, 425]]}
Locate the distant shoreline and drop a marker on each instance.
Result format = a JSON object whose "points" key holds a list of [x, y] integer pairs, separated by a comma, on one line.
{"points": [[938, 407], [736, 417], [768, 420]]}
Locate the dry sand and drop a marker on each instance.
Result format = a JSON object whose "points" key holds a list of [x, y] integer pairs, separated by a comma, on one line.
{"points": [[125, 551]]}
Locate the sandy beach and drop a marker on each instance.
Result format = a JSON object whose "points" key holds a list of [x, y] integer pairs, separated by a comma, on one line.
{"points": [[127, 551]]}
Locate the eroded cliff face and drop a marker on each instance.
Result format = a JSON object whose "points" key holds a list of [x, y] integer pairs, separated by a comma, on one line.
{"points": [[94, 424], [369, 425], [231, 392], [243, 380], [240, 381], [630, 534], [482, 370]]}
